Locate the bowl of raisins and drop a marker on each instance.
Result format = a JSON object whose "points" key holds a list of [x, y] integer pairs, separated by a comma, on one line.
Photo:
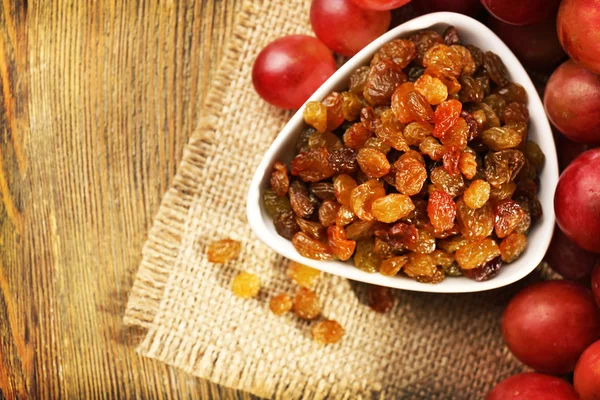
{"points": [[426, 163]]}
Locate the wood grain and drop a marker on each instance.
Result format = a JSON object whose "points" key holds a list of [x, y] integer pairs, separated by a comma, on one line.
{"points": [[98, 101]]}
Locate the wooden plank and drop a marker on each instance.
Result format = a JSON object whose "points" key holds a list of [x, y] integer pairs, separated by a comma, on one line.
{"points": [[99, 99]]}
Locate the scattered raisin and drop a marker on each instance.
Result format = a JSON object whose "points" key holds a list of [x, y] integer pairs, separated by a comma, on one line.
{"points": [[280, 304], [303, 275], [245, 285], [327, 332], [223, 250], [306, 304]]}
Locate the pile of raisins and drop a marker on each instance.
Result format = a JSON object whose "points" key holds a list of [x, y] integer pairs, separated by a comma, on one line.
{"points": [[422, 167]]}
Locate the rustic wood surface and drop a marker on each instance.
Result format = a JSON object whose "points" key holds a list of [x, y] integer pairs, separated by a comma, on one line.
{"points": [[98, 101]]}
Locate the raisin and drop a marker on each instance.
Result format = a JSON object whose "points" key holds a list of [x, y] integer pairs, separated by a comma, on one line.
{"points": [[335, 115], [365, 258], [327, 140], [362, 198], [377, 144], [310, 248], [453, 270], [513, 92], [415, 155], [450, 81], [503, 166], [486, 271], [280, 181], [280, 304], [474, 224], [358, 79], [380, 298], [443, 259], [515, 113], [303, 275], [453, 185], [512, 247], [392, 207], [328, 212], [508, 214], [534, 155], [285, 223], [315, 115], [432, 88], [425, 242], [300, 200], [356, 136], [391, 266], [474, 126], [302, 143], [476, 54], [457, 134], [384, 77], [341, 247], [345, 216], [414, 72], [419, 107], [323, 190], [453, 243], [313, 229], [467, 164], [501, 138], [476, 254], [495, 68], [368, 118], [360, 229], [450, 160], [416, 132], [468, 64], [431, 147], [446, 115], [274, 204], [351, 106], [410, 176], [491, 118], [373, 163], [223, 250], [477, 194], [327, 332], [245, 285], [390, 131], [420, 265], [402, 236], [343, 161], [451, 36], [441, 210], [306, 304], [503, 192], [400, 51], [424, 40], [525, 223], [343, 185], [400, 103], [312, 166], [472, 90], [444, 58], [382, 249]]}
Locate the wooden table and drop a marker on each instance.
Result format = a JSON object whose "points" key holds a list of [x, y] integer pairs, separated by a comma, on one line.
{"points": [[98, 100]]}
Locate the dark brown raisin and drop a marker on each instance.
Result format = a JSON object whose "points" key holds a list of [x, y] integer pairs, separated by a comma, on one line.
{"points": [[485, 272]]}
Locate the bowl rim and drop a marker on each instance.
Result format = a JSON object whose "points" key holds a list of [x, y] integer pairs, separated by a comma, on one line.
{"points": [[544, 228]]}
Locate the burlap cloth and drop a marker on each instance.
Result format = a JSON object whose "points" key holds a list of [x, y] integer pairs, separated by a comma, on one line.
{"points": [[430, 346]]}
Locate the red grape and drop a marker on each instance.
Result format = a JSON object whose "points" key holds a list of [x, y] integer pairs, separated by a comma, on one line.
{"points": [[549, 324], [521, 12], [596, 284], [380, 4], [587, 373], [572, 101], [288, 71], [346, 28], [569, 260], [577, 23], [468, 7], [532, 386], [536, 45], [577, 201]]}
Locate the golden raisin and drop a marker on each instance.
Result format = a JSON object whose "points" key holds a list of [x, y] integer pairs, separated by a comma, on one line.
{"points": [[392, 266], [308, 247], [467, 164], [452, 243], [442, 258], [281, 304], [477, 194], [306, 304], [343, 185], [245, 285], [351, 106], [432, 88], [223, 250], [512, 247], [419, 265], [341, 246], [362, 198], [327, 332], [345, 216], [441, 210], [416, 132], [373, 163], [410, 176], [475, 254], [392, 207], [303, 275], [315, 115], [400, 103], [474, 224]]}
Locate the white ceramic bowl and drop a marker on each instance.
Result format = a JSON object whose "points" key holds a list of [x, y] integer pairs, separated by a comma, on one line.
{"points": [[471, 32]]}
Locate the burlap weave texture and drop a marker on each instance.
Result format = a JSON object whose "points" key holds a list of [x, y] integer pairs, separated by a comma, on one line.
{"points": [[430, 346]]}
